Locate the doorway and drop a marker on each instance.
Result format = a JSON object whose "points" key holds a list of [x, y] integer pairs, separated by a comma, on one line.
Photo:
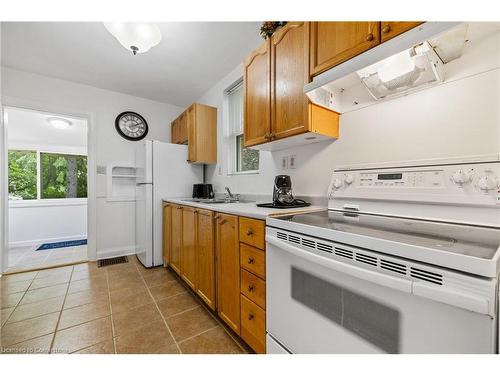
{"points": [[47, 168]]}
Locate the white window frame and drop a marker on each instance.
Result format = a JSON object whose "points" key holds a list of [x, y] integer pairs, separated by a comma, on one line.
{"points": [[231, 135], [47, 202]]}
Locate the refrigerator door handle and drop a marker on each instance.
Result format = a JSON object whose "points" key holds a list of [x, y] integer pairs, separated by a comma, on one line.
{"points": [[143, 183]]}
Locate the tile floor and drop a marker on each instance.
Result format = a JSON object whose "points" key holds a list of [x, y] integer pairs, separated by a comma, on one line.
{"points": [[26, 257], [123, 308]]}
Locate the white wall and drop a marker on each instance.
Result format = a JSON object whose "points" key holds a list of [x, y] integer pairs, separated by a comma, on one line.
{"points": [[3, 179], [458, 118], [47, 222], [115, 220]]}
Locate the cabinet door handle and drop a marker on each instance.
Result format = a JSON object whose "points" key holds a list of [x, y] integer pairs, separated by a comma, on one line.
{"points": [[179, 208], [250, 316], [369, 37], [251, 261], [249, 232], [222, 221], [251, 288], [386, 29]]}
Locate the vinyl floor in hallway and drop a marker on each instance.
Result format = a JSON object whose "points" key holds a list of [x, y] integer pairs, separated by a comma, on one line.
{"points": [[124, 308]]}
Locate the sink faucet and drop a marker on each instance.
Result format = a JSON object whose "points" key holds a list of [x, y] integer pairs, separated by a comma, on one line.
{"points": [[231, 196]]}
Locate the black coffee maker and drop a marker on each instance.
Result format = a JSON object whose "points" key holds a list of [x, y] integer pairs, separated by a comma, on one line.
{"points": [[283, 194]]}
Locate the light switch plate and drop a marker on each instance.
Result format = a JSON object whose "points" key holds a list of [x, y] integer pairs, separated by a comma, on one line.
{"points": [[292, 162]]}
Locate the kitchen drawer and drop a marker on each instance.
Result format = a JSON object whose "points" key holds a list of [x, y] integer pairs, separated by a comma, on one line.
{"points": [[253, 232], [253, 260], [254, 288], [253, 325]]}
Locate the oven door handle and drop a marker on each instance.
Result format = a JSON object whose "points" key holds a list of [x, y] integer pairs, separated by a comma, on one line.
{"points": [[357, 272]]}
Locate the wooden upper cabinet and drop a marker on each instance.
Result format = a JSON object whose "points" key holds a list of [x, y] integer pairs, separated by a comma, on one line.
{"points": [[390, 29], [188, 252], [205, 257], [176, 239], [179, 130], [167, 232], [335, 42], [202, 134], [257, 96], [228, 270], [191, 132], [289, 74]]}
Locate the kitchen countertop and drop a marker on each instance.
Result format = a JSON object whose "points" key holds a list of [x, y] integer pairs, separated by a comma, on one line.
{"points": [[247, 209]]}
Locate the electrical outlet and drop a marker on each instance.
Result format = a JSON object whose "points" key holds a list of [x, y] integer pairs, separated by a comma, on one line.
{"points": [[292, 162], [284, 162]]}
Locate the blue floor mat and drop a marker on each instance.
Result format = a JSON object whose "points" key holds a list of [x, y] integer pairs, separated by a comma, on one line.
{"points": [[56, 245]]}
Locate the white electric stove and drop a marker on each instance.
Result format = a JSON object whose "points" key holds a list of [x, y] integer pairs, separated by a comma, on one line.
{"points": [[405, 260]]}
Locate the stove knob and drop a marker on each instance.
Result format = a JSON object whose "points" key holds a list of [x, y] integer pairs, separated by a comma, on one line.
{"points": [[349, 179], [460, 177], [487, 183], [337, 183]]}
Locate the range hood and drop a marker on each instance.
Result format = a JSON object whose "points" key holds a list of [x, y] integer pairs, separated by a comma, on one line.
{"points": [[409, 62]]}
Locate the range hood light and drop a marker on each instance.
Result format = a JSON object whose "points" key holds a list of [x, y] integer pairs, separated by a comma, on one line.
{"points": [[412, 68]]}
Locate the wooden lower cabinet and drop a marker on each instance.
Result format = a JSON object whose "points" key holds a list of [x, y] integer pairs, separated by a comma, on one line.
{"points": [[253, 325], [228, 270], [167, 222], [188, 252], [176, 239], [390, 29], [208, 251], [205, 257]]}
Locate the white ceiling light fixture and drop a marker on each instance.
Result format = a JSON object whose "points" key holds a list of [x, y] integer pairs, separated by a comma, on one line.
{"points": [[136, 37], [59, 123]]}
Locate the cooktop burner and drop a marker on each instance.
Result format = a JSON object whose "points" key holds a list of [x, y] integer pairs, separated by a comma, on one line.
{"points": [[475, 241]]}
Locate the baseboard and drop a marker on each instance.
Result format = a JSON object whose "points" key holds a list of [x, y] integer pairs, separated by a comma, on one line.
{"points": [[115, 252], [44, 240]]}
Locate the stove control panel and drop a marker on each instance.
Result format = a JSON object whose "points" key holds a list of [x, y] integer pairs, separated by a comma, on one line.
{"points": [[445, 180]]}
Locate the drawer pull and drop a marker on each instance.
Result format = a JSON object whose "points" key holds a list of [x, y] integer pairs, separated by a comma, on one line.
{"points": [[369, 37], [251, 288], [249, 232], [179, 208], [250, 316], [386, 29], [251, 261]]}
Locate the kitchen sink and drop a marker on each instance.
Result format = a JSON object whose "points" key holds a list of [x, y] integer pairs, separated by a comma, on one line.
{"points": [[218, 201]]}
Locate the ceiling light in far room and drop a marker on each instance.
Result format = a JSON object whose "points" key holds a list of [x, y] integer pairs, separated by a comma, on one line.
{"points": [[136, 37], [59, 123]]}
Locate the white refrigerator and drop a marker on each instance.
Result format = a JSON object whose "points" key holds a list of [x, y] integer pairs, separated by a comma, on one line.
{"points": [[162, 171]]}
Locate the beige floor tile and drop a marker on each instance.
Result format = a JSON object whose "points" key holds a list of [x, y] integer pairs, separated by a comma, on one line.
{"points": [[21, 276], [215, 341], [106, 347], [49, 281], [177, 304], [153, 338], [158, 278], [85, 297], [82, 336], [58, 271], [13, 333], [9, 287], [124, 293], [88, 274], [169, 289], [38, 345], [44, 293], [133, 282], [32, 310], [89, 267], [4, 314], [95, 283], [10, 300], [119, 305], [190, 323], [82, 314], [129, 320], [121, 269]]}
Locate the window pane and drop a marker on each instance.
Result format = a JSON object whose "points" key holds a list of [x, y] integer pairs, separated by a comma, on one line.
{"points": [[22, 175], [248, 159], [63, 176]]}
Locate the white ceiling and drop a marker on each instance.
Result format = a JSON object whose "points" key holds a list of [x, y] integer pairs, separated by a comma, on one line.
{"points": [[191, 57], [28, 127]]}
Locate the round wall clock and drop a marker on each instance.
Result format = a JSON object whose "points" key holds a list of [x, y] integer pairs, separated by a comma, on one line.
{"points": [[131, 126]]}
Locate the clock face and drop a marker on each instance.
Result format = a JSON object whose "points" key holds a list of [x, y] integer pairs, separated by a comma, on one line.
{"points": [[131, 126]]}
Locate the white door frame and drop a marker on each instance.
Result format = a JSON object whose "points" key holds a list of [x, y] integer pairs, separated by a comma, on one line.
{"points": [[11, 102]]}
